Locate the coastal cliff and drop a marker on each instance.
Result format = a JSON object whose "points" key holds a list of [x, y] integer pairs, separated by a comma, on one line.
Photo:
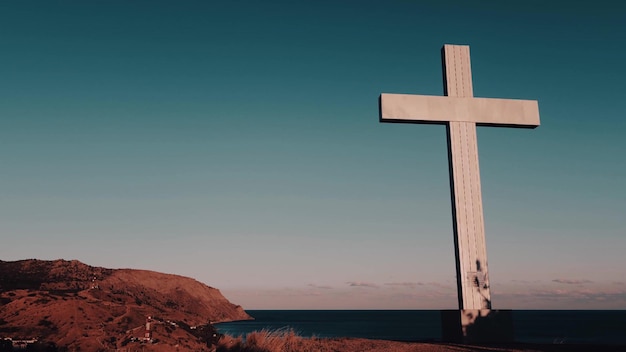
{"points": [[77, 306]]}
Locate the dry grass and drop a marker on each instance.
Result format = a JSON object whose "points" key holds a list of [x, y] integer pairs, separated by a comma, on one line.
{"points": [[289, 341], [279, 340], [282, 340]]}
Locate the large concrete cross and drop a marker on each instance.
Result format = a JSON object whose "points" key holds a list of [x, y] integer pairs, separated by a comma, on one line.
{"points": [[461, 112]]}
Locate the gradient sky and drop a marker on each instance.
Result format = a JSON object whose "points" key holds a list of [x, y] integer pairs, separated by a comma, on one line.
{"points": [[238, 143]]}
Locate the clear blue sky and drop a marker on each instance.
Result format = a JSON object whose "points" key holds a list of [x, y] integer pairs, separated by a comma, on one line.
{"points": [[238, 143]]}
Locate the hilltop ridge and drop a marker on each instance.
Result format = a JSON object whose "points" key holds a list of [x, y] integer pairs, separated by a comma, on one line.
{"points": [[78, 306]]}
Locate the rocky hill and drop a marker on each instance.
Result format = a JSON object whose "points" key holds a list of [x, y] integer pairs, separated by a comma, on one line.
{"points": [[86, 308]]}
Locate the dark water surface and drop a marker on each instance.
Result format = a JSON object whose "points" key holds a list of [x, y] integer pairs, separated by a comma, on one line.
{"points": [[536, 326]]}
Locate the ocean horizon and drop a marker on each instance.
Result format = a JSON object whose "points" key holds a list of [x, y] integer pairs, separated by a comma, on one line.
{"points": [[530, 326]]}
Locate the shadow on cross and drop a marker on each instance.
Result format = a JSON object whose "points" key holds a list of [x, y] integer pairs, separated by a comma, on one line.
{"points": [[494, 326], [481, 283], [477, 326]]}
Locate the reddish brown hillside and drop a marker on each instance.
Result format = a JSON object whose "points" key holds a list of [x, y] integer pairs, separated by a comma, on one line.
{"points": [[91, 308]]}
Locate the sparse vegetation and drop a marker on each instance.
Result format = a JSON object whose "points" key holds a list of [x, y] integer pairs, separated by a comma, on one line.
{"points": [[42, 300], [45, 322], [282, 340]]}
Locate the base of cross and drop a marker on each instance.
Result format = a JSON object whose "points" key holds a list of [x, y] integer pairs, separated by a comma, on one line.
{"points": [[477, 326]]}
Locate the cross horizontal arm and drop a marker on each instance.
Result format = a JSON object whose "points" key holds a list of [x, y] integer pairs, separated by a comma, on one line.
{"points": [[440, 110]]}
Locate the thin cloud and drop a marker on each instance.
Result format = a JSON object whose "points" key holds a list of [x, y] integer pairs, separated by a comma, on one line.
{"points": [[404, 284], [323, 287], [568, 298], [571, 282], [361, 284], [526, 281], [440, 285]]}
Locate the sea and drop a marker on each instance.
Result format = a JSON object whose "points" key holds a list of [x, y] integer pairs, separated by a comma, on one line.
{"points": [[530, 326]]}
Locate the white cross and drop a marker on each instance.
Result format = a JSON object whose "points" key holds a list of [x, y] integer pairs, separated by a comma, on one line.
{"points": [[461, 112]]}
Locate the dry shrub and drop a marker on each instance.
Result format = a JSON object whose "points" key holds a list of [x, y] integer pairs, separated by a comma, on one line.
{"points": [[282, 340], [230, 344]]}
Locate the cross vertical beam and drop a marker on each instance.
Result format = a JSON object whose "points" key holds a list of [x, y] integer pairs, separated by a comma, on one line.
{"points": [[467, 213]]}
